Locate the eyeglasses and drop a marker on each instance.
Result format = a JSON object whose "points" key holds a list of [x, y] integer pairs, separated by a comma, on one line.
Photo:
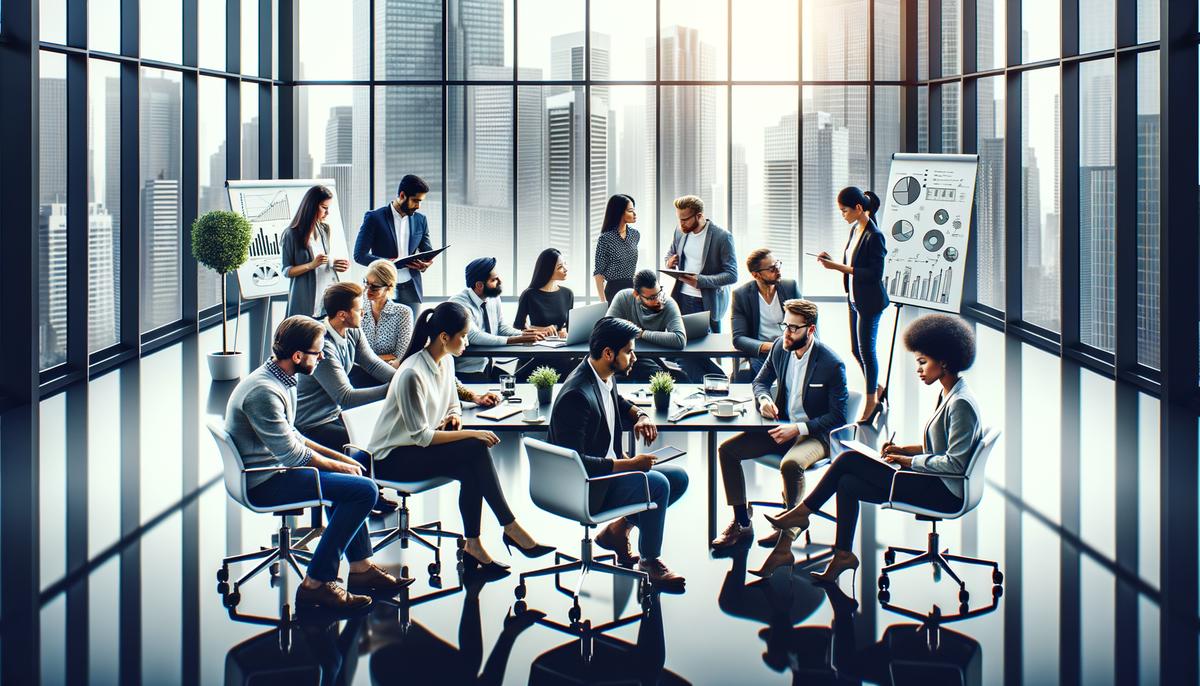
{"points": [[374, 286], [771, 268], [652, 298], [688, 220], [311, 352], [796, 328]]}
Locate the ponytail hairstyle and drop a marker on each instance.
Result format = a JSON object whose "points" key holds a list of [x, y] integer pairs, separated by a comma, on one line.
{"points": [[852, 196], [448, 317]]}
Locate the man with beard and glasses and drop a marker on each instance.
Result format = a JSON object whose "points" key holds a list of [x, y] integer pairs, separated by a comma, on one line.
{"points": [[260, 419], [655, 313], [481, 297], [395, 231], [811, 394], [758, 307], [587, 418]]}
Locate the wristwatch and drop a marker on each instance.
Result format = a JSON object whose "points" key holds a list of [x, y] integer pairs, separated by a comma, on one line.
{"points": [[640, 413]]}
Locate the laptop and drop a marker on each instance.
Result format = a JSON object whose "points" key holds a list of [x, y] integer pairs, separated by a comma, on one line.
{"points": [[580, 322], [695, 325]]}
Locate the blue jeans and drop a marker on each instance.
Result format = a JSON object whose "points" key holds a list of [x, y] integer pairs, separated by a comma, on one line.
{"points": [[863, 331], [346, 533], [667, 483]]}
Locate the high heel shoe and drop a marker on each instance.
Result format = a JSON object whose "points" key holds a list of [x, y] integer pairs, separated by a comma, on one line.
{"points": [[838, 564], [537, 550], [791, 519], [489, 571], [776, 559]]}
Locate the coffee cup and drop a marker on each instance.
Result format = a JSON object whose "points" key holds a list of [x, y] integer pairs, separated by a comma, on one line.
{"points": [[723, 408]]}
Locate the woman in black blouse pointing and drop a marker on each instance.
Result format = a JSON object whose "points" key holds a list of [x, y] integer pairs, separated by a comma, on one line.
{"points": [[617, 248]]}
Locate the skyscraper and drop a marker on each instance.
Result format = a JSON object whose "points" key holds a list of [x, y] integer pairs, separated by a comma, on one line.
{"points": [[339, 163], [741, 197], [826, 171], [688, 118], [1148, 185], [52, 294], [780, 206], [989, 222], [160, 252], [838, 55], [1097, 256]]}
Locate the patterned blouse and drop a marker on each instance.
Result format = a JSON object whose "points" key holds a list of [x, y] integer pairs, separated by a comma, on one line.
{"points": [[616, 258], [392, 333]]}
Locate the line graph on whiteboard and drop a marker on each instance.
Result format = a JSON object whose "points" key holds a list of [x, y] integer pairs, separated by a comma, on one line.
{"points": [[266, 207]]}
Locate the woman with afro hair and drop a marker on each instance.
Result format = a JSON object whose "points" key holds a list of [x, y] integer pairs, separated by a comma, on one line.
{"points": [[944, 347]]}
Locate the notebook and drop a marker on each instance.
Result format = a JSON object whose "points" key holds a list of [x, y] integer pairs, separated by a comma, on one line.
{"points": [[499, 412]]}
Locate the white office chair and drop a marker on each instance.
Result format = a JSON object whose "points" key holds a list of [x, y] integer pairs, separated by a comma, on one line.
{"points": [[235, 473], [973, 485], [562, 487], [358, 423], [836, 439]]}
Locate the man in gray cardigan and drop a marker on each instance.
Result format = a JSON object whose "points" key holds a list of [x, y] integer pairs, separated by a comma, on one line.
{"points": [[482, 300], [322, 395], [291, 468], [655, 314]]}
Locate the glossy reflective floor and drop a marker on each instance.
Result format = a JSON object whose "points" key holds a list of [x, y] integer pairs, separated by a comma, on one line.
{"points": [[129, 588]]}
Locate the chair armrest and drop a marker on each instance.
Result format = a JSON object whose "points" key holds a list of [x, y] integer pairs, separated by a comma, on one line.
{"points": [[910, 472], [615, 475], [254, 470], [840, 435]]}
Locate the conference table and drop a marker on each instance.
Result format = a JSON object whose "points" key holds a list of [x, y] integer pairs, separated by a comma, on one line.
{"points": [[713, 345], [526, 395]]}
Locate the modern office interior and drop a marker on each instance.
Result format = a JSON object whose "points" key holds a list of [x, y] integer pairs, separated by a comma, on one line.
{"points": [[124, 121]]}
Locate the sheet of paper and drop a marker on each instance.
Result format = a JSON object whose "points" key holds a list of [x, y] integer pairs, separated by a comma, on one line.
{"points": [[867, 450], [499, 412]]}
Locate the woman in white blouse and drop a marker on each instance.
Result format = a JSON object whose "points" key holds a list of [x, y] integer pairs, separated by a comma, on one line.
{"points": [[419, 435], [388, 326]]}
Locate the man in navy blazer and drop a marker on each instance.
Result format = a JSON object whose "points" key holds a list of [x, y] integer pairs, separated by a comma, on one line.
{"points": [[758, 307], [399, 223]]}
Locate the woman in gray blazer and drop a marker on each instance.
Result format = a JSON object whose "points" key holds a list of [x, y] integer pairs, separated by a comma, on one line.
{"points": [[944, 347], [305, 254]]}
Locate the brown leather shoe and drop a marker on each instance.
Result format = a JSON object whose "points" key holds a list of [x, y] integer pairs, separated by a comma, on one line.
{"points": [[732, 535], [659, 575], [615, 537], [376, 580], [330, 596]]}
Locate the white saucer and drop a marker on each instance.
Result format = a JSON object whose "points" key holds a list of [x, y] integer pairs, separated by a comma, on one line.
{"points": [[539, 420]]}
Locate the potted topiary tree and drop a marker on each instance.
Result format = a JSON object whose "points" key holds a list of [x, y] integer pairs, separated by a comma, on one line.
{"points": [[661, 385], [544, 378], [221, 242]]}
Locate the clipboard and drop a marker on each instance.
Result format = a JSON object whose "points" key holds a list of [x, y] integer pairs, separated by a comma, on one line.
{"points": [[427, 255], [868, 451], [676, 273], [667, 453]]}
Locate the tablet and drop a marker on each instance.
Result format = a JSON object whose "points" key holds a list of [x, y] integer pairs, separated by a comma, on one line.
{"points": [[676, 273], [666, 454], [427, 255]]}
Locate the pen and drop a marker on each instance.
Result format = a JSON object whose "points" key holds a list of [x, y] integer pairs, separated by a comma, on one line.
{"points": [[889, 440], [812, 253]]}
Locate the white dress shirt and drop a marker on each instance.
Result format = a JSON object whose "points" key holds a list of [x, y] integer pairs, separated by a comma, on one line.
{"points": [[610, 411], [693, 258], [422, 394], [770, 317], [325, 274], [400, 225]]}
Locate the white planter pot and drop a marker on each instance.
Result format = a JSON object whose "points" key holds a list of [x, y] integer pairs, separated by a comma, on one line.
{"points": [[226, 366]]}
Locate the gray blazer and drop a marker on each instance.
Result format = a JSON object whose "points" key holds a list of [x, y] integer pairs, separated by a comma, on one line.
{"points": [[302, 290], [825, 396], [746, 336], [717, 273], [951, 436]]}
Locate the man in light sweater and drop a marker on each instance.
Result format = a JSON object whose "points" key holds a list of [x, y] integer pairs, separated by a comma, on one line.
{"points": [[260, 419], [655, 313], [482, 300], [322, 395]]}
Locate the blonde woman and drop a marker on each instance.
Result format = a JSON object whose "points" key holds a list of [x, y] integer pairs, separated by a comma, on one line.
{"points": [[387, 325]]}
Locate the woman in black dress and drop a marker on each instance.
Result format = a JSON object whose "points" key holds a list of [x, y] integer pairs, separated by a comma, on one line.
{"points": [[617, 248], [544, 306]]}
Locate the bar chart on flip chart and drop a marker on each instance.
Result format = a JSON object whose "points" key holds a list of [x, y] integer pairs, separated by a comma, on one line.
{"points": [[926, 221]]}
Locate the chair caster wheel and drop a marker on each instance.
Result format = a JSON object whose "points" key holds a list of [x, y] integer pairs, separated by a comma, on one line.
{"points": [[404, 571], [273, 582], [223, 574], [574, 613], [222, 588], [884, 582], [274, 569], [997, 591], [461, 543], [963, 609], [232, 600], [889, 557], [997, 577], [885, 596], [520, 591], [963, 596], [520, 608], [937, 573], [459, 553], [460, 568], [434, 569], [435, 581]]}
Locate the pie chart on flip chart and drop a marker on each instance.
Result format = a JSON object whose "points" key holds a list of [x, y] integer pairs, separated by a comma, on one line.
{"points": [[902, 230], [906, 191], [934, 240], [951, 254], [941, 217]]}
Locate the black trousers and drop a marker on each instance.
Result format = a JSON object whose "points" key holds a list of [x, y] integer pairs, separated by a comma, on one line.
{"points": [[614, 286], [855, 478], [406, 294], [469, 462]]}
